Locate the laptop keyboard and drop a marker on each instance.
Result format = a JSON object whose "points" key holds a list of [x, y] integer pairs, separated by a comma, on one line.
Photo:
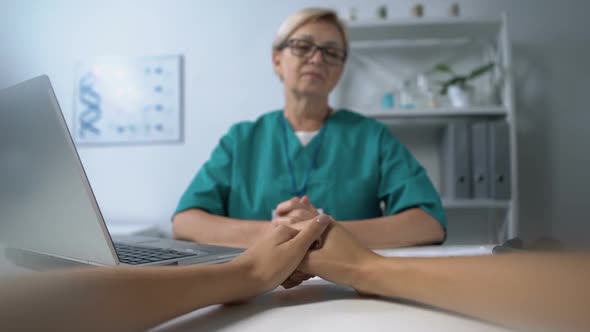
{"points": [[134, 255]]}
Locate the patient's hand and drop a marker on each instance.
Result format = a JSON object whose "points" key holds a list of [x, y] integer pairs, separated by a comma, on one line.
{"points": [[275, 256], [293, 220], [341, 258]]}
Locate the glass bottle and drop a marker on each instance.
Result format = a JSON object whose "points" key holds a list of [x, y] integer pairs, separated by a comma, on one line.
{"points": [[407, 100], [427, 97]]}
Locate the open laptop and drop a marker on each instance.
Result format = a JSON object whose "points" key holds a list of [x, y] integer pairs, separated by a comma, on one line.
{"points": [[46, 203]]}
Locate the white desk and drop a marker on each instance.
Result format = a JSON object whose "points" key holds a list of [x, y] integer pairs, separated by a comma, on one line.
{"points": [[316, 305]]}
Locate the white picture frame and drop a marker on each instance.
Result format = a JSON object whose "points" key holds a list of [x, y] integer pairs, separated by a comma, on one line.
{"points": [[128, 101]]}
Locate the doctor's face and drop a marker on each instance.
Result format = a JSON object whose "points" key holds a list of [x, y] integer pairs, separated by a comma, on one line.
{"points": [[312, 60]]}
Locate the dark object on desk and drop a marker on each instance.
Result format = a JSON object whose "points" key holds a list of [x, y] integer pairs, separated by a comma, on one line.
{"points": [[501, 249], [517, 245]]}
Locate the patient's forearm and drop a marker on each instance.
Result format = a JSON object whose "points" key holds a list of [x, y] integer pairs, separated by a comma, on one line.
{"points": [[200, 226], [409, 228], [523, 291], [117, 299]]}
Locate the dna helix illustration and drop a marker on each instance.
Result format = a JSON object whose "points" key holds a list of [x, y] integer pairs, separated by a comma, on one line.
{"points": [[90, 116]]}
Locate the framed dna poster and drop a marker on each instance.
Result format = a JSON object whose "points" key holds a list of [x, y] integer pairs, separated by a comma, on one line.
{"points": [[128, 101]]}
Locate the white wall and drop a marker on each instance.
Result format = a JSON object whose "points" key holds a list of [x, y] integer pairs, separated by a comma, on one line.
{"points": [[228, 78]]}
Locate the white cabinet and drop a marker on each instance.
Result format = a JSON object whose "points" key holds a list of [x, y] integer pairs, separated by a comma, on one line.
{"points": [[384, 54]]}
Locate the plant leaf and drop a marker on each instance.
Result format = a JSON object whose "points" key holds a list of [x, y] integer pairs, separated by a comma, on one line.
{"points": [[444, 68], [456, 80], [481, 70]]}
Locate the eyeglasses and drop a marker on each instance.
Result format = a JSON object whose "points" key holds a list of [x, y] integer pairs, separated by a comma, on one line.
{"points": [[306, 49]]}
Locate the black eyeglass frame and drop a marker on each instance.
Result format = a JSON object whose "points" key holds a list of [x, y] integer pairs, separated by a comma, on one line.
{"points": [[323, 49]]}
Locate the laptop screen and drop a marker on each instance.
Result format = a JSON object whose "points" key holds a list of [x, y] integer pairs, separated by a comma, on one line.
{"points": [[46, 203]]}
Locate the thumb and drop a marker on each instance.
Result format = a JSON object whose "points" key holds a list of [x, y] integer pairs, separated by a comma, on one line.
{"points": [[312, 231], [282, 234]]}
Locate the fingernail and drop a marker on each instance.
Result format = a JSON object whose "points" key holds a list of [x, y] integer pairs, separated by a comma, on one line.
{"points": [[323, 219]]}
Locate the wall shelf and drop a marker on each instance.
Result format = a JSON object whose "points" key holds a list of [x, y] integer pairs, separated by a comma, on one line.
{"points": [[475, 204], [421, 29], [392, 44], [388, 51], [491, 111]]}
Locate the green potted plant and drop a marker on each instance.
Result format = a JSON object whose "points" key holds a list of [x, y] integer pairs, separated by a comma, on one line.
{"points": [[457, 87]]}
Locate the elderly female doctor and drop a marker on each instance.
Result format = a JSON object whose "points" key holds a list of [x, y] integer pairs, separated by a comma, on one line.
{"points": [[290, 163]]}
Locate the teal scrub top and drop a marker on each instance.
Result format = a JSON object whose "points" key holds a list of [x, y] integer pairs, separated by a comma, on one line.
{"points": [[359, 164]]}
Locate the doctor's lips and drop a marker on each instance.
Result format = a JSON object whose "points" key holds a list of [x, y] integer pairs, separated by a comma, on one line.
{"points": [[315, 75]]}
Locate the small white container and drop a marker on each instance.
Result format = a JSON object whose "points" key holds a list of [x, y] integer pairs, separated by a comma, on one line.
{"points": [[460, 97]]}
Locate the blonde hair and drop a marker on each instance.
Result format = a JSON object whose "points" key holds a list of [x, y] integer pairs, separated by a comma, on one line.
{"points": [[304, 16]]}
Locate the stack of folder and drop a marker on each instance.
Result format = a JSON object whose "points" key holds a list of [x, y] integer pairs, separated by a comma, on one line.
{"points": [[475, 160]]}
